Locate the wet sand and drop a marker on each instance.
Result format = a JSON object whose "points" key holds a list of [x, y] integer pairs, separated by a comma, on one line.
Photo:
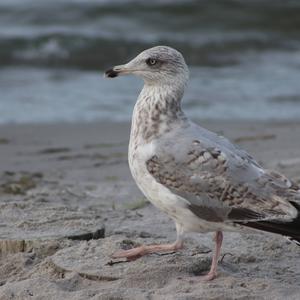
{"points": [[68, 202]]}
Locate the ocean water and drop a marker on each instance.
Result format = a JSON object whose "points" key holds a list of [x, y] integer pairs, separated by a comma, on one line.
{"points": [[244, 57]]}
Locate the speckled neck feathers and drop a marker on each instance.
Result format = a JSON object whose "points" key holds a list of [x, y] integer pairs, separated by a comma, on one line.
{"points": [[157, 111]]}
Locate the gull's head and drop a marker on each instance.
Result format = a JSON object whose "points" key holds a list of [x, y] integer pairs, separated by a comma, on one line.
{"points": [[159, 65]]}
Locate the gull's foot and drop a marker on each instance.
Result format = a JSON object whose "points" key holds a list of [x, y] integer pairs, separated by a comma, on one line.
{"points": [[202, 278], [131, 254], [208, 277], [138, 252]]}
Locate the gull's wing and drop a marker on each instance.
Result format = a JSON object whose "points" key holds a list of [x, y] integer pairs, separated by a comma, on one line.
{"points": [[219, 181]]}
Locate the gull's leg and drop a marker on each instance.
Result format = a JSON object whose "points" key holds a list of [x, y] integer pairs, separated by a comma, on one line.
{"points": [[140, 251], [213, 269]]}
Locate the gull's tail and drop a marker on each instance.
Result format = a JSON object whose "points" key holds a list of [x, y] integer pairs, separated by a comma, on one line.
{"points": [[289, 229]]}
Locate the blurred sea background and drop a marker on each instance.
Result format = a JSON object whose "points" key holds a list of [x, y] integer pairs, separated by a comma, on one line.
{"points": [[244, 57]]}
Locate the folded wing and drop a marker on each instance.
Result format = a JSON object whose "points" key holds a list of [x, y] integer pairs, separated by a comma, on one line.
{"points": [[222, 183]]}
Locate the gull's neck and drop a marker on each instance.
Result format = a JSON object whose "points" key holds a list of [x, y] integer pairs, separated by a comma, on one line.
{"points": [[156, 112]]}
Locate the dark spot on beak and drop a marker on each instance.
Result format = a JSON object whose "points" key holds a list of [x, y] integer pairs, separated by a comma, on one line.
{"points": [[111, 73]]}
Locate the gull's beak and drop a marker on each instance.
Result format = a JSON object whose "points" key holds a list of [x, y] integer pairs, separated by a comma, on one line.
{"points": [[118, 70]]}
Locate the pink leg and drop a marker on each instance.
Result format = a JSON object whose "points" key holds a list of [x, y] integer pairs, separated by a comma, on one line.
{"points": [[138, 252], [213, 269], [135, 253]]}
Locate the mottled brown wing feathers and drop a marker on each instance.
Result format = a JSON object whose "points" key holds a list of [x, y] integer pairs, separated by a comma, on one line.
{"points": [[204, 178]]}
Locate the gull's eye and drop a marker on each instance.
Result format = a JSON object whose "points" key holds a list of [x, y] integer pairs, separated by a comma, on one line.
{"points": [[151, 61]]}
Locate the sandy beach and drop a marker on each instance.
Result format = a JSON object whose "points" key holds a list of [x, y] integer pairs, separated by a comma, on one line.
{"points": [[68, 202], [67, 198]]}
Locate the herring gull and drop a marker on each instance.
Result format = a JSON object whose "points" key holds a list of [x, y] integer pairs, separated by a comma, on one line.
{"points": [[200, 179]]}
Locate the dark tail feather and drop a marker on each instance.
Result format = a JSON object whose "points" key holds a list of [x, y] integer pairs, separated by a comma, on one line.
{"points": [[288, 229]]}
